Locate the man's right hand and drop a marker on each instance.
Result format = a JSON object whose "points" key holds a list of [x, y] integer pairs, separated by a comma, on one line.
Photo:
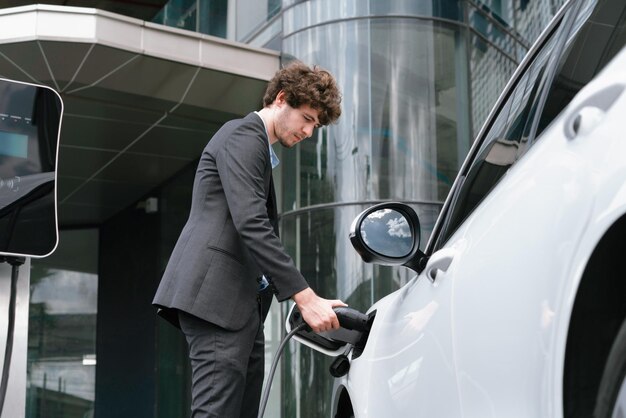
{"points": [[317, 312]]}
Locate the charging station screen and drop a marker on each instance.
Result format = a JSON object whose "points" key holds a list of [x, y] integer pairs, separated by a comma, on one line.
{"points": [[30, 118], [13, 145]]}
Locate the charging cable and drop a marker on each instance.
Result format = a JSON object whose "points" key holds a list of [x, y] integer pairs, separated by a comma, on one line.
{"points": [[8, 351], [279, 352]]}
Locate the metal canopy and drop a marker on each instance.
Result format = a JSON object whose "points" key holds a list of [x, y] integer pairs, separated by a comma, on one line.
{"points": [[141, 100]]}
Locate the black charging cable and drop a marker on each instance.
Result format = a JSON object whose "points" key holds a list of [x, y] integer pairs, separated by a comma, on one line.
{"points": [[279, 352], [15, 262]]}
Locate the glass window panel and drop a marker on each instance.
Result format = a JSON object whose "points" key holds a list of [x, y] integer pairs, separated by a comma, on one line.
{"points": [[490, 70], [503, 143], [493, 32], [388, 144], [582, 60], [310, 13], [61, 368], [502, 10], [449, 9], [252, 14], [532, 17], [179, 14], [270, 37], [212, 17]]}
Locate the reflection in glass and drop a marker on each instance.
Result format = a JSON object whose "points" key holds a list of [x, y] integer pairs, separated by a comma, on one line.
{"points": [[387, 232], [503, 144], [252, 14], [62, 326], [487, 83], [532, 17], [204, 16], [61, 368], [572, 73], [393, 141]]}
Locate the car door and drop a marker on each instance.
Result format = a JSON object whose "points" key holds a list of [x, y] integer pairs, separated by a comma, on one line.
{"points": [[511, 228]]}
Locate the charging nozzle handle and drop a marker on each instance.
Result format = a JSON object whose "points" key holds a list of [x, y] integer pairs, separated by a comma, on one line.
{"points": [[352, 319]]}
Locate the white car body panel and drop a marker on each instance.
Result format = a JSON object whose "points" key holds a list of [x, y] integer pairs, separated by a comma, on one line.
{"points": [[488, 337]]}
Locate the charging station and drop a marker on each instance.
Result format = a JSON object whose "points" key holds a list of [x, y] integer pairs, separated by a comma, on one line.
{"points": [[30, 123]]}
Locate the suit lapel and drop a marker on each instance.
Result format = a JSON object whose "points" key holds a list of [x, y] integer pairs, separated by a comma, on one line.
{"points": [[272, 210]]}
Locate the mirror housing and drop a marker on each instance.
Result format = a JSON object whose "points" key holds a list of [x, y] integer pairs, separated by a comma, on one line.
{"points": [[388, 234]]}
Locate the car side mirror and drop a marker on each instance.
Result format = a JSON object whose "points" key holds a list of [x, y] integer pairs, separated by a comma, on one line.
{"points": [[388, 234]]}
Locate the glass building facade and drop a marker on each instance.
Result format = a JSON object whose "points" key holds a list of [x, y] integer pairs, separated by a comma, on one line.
{"points": [[418, 78], [61, 369]]}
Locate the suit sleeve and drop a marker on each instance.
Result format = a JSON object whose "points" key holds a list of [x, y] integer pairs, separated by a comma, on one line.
{"points": [[241, 164]]}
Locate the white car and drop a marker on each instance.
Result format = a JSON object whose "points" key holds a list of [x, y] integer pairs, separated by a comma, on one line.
{"points": [[519, 306]]}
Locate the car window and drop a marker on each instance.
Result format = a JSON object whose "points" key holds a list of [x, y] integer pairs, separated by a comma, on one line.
{"points": [[599, 36], [503, 143]]}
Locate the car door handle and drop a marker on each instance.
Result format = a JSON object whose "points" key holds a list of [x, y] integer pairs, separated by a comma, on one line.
{"points": [[439, 261], [590, 112]]}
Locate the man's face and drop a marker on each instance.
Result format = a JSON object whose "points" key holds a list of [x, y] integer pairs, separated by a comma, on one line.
{"points": [[292, 125]]}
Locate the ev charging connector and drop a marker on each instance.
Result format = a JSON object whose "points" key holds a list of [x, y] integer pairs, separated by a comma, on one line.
{"points": [[354, 331]]}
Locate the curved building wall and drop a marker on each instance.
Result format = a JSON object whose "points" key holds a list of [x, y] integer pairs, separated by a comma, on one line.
{"points": [[403, 70]]}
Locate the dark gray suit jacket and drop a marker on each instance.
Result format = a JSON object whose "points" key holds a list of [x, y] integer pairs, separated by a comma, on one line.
{"points": [[229, 239]]}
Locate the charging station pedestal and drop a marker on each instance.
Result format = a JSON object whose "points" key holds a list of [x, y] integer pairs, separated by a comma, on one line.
{"points": [[15, 402]]}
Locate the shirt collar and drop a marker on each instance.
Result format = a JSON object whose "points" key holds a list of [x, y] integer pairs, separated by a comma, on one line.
{"points": [[273, 157]]}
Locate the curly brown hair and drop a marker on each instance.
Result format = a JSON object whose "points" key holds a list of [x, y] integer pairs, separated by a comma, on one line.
{"points": [[304, 85]]}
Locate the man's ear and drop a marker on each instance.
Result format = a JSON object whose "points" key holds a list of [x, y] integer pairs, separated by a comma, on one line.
{"points": [[280, 98]]}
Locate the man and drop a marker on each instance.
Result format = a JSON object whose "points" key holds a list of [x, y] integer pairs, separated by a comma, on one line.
{"points": [[228, 258]]}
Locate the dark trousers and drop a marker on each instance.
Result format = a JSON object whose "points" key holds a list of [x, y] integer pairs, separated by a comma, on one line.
{"points": [[226, 366]]}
